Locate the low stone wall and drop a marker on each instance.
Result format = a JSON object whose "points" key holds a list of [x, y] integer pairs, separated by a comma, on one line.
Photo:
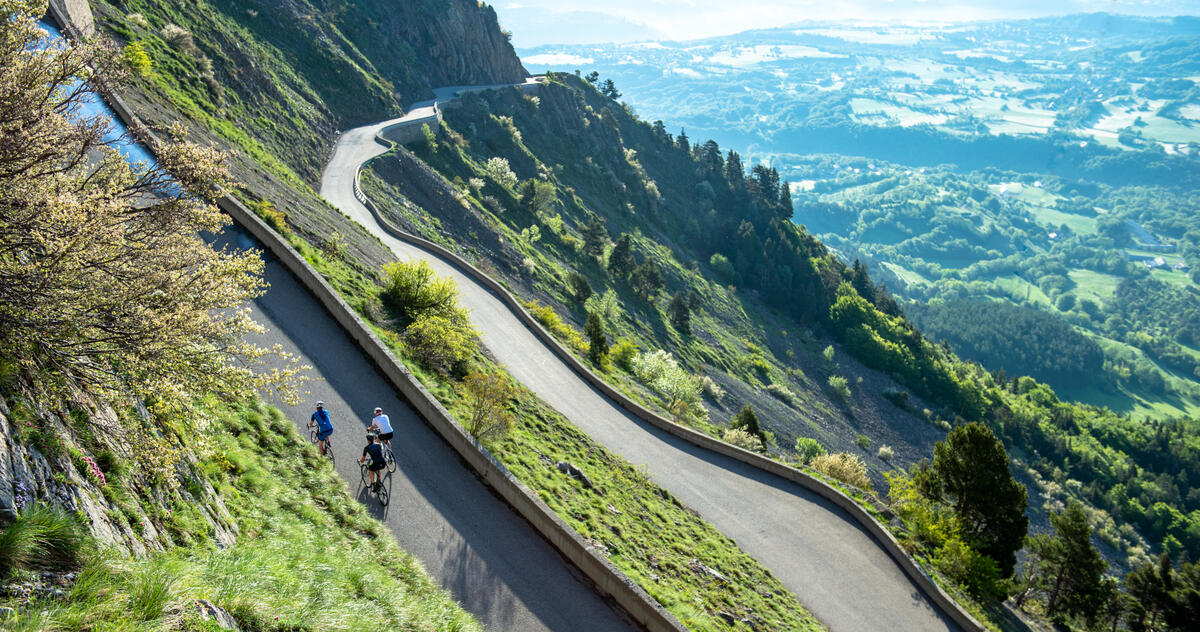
{"points": [[410, 131], [885, 538], [74, 15]]}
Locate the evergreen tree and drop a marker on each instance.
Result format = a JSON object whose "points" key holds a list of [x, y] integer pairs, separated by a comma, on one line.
{"points": [[660, 132], [680, 313], [646, 279], [579, 286], [735, 174], [970, 471], [683, 143], [597, 340], [594, 237], [786, 210], [620, 260], [1071, 567], [609, 89], [746, 419], [592, 77], [709, 156]]}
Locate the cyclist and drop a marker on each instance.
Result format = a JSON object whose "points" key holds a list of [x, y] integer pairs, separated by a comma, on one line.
{"points": [[324, 425], [372, 456], [383, 425]]}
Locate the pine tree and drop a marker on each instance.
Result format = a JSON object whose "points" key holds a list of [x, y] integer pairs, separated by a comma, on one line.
{"points": [[609, 89], [579, 286], [1072, 567], [970, 471], [594, 237], [680, 313], [646, 279], [683, 143], [786, 210], [735, 174], [597, 340], [620, 260]]}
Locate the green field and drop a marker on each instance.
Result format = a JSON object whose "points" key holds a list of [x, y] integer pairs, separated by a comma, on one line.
{"points": [[1094, 285], [1021, 289]]}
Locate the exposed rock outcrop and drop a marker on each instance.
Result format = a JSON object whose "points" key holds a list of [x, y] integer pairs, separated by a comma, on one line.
{"points": [[43, 459]]}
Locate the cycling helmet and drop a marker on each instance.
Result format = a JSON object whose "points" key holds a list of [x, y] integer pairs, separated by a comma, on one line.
{"points": [[371, 436], [378, 410], [320, 404]]}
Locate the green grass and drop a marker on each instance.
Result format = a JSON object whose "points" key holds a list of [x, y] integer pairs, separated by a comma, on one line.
{"points": [[1094, 285], [307, 557]]}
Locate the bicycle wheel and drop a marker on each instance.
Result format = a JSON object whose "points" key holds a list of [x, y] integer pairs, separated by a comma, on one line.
{"points": [[362, 473], [329, 449], [391, 460], [312, 435], [382, 494]]}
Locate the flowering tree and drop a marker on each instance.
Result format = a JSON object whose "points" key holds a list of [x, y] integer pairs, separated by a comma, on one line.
{"points": [[104, 278]]}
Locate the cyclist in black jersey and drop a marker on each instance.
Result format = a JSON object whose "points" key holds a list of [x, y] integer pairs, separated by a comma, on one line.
{"points": [[372, 457]]}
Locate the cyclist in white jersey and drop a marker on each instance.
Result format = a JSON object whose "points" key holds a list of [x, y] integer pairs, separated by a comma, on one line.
{"points": [[381, 424]]}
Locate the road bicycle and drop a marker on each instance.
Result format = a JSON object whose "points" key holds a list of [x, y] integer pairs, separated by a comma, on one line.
{"points": [[390, 457], [378, 488], [312, 436]]}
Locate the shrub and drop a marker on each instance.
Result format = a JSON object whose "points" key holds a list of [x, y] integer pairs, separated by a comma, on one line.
{"points": [[862, 441], [783, 394], [550, 319], [487, 397], [180, 38], [135, 56], [623, 353], [979, 574], [441, 343], [498, 170], [274, 218], [885, 453], [808, 448], [898, 398], [840, 387], [597, 339], [828, 355], [723, 267], [712, 389], [743, 439], [844, 467], [41, 534], [661, 372], [411, 289]]}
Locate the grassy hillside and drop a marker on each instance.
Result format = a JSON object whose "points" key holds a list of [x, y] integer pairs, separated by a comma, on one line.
{"points": [[291, 548], [765, 303]]}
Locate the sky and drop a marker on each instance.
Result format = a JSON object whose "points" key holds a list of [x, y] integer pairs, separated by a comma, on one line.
{"points": [[537, 22]]}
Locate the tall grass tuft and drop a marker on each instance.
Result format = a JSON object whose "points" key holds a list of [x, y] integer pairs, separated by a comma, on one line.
{"points": [[42, 534]]}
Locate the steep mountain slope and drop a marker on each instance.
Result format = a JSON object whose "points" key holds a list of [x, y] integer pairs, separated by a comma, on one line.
{"points": [[684, 214]]}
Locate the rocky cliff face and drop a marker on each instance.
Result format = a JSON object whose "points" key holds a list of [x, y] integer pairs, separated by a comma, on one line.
{"points": [[460, 41], [74, 461]]}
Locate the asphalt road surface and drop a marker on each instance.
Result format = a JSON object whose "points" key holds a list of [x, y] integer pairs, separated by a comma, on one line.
{"points": [[817, 550], [471, 542]]}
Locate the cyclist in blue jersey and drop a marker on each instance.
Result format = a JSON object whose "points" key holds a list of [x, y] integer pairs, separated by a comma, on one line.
{"points": [[324, 425]]}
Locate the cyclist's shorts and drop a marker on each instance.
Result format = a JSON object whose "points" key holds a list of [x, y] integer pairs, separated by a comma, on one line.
{"points": [[375, 467], [324, 435], [387, 436]]}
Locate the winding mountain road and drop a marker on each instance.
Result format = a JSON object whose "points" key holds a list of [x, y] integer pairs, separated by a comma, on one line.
{"points": [[816, 549], [471, 542]]}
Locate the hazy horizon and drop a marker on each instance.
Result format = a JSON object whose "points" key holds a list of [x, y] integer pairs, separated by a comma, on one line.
{"points": [[541, 22]]}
